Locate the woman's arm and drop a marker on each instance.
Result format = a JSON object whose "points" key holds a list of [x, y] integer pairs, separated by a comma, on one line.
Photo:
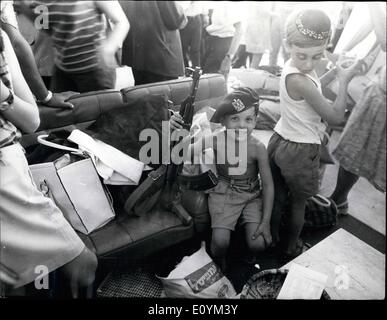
{"points": [[378, 18], [363, 32], [24, 112], [226, 62], [376, 22], [116, 15]]}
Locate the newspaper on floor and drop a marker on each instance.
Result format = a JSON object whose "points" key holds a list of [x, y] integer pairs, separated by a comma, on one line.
{"points": [[302, 283]]}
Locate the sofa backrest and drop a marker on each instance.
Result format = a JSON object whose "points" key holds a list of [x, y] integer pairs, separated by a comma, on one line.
{"points": [[89, 106], [212, 87]]}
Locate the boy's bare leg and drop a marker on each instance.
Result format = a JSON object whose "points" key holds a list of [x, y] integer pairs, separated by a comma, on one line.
{"points": [[296, 223], [219, 245], [275, 222], [281, 195]]}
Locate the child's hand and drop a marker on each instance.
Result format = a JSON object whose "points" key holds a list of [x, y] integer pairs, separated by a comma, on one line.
{"points": [[176, 121], [264, 231], [347, 70]]}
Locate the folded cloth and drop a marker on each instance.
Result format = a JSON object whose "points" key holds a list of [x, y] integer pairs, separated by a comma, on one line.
{"points": [[114, 166]]}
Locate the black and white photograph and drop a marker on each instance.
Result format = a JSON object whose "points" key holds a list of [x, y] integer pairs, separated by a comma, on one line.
{"points": [[192, 156]]}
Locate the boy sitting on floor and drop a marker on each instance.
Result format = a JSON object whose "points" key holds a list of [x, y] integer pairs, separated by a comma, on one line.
{"points": [[238, 195]]}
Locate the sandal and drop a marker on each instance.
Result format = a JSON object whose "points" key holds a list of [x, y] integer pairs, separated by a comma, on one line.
{"points": [[301, 247], [342, 209]]}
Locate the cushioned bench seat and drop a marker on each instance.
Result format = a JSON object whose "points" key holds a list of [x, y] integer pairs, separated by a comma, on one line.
{"points": [[130, 236], [138, 237]]}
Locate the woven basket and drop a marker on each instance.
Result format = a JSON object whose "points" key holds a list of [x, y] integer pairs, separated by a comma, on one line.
{"points": [[267, 285]]}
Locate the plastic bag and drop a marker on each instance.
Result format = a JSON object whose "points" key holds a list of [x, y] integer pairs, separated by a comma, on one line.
{"points": [[197, 276], [204, 161]]}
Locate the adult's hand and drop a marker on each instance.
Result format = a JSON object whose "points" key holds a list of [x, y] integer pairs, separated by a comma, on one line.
{"points": [[59, 100], [106, 54], [347, 70], [81, 272]]}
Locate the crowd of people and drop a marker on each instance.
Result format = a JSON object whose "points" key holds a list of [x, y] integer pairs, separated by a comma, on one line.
{"points": [[78, 48]]}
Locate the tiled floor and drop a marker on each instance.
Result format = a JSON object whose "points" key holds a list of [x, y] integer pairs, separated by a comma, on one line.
{"points": [[365, 202]]}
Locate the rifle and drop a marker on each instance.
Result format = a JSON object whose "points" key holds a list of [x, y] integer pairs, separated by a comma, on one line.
{"points": [[187, 112], [162, 183]]}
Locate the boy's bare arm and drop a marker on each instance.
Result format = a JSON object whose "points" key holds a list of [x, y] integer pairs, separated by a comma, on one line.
{"points": [[302, 87], [267, 182], [268, 194]]}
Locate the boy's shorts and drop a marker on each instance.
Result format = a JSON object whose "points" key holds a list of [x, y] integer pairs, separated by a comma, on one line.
{"points": [[297, 165], [229, 200]]}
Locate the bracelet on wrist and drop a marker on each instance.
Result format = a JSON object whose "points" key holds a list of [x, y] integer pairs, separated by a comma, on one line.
{"points": [[7, 104], [47, 98]]}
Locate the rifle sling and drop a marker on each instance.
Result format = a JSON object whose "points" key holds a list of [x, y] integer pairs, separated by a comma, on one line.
{"points": [[147, 189], [146, 205], [201, 182]]}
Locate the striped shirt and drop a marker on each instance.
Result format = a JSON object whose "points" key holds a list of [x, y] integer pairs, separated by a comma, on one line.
{"points": [[76, 28], [8, 132]]}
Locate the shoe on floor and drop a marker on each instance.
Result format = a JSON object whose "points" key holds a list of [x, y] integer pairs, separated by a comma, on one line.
{"points": [[300, 248], [342, 209]]}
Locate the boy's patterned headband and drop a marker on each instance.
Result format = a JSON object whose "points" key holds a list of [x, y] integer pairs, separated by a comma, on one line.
{"points": [[310, 33]]}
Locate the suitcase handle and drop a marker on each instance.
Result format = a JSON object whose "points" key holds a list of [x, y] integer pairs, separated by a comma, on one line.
{"points": [[42, 140]]}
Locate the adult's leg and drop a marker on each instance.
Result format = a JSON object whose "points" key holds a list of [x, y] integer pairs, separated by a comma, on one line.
{"points": [[139, 77], [196, 39], [276, 40], [215, 53], [240, 58], [345, 181], [185, 37], [98, 79], [257, 57]]}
